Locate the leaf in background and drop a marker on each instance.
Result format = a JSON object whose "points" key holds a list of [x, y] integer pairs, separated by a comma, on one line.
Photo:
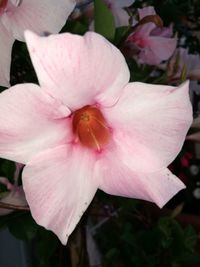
{"points": [[121, 34], [23, 226], [183, 74], [190, 238], [47, 243], [76, 27], [103, 20], [177, 210]]}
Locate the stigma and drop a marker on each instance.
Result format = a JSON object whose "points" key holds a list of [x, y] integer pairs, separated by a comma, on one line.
{"points": [[90, 128]]}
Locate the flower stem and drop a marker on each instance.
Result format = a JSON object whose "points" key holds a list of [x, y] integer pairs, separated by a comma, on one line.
{"points": [[13, 207]]}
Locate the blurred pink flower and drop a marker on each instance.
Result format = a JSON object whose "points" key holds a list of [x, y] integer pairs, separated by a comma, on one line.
{"points": [[117, 8], [39, 16], [180, 60], [149, 43], [85, 127], [15, 194], [183, 65]]}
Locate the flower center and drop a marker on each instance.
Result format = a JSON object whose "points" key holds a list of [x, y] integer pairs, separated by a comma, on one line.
{"points": [[3, 4], [90, 127]]}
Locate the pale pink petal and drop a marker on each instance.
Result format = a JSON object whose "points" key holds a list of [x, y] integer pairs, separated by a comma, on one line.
{"points": [[119, 179], [38, 16], [162, 47], [146, 56], [59, 186], [15, 2], [149, 124], [140, 36], [78, 70], [163, 31], [6, 42], [30, 121], [146, 11], [121, 17], [144, 30]]}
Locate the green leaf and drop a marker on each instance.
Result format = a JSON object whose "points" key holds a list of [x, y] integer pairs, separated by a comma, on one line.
{"points": [[103, 20], [111, 255], [75, 27], [183, 73], [121, 34], [23, 227], [190, 238], [47, 243]]}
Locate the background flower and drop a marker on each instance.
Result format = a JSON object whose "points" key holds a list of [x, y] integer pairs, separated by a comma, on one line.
{"points": [[15, 194], [47, 16], [150, 44], [118, 9]]}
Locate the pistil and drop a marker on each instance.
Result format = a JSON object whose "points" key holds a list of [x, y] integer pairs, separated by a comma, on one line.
{"points": [[90, 127]]}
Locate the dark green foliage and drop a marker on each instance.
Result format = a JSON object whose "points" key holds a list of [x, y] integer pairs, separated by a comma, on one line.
{"points": [[103, 20], [161, 243]]}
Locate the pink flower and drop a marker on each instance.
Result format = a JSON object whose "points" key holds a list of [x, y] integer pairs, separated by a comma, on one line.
{"points": [[183, 65], [18, 15], [117, 8], [85, 127], [180, 60], [152, 44]]}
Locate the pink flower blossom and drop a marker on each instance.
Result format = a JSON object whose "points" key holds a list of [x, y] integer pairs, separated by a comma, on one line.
{"points": [[85, 127], [18, 15], [117, 8], [150, 43], [183, 65], [182, 59]]}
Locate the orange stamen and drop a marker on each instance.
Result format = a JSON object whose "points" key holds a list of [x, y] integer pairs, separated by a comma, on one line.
{"points": [[90, 126], [3, 4]]}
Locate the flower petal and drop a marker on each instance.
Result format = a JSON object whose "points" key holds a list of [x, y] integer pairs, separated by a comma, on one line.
{"points": [[121, 17], [147, 56], [118, 179], [57, 191], [162, 47], [146, 11], [163, 32], [78, 70], [150, 123], [30, 121], [6, 42], [38, 16]]}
